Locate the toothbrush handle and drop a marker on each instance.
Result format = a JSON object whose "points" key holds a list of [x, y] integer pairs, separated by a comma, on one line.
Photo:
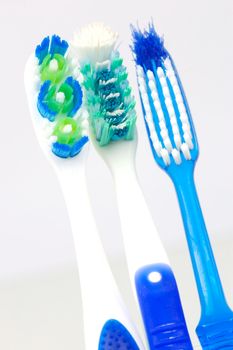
{"points": [[213, 303], [145, 254], [103, 307], [161, 308]]}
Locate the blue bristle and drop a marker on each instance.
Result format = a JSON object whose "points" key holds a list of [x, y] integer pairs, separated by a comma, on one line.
{"points": [[112, 104], [42, 104], [148, 46], [55, 45], [78, 146], [42, 49], [119, 133], [66, 151], [114, 336], [61, 150], [77, 94], [58, 46]]}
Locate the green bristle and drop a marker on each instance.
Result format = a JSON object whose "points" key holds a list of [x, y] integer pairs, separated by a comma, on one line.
{"points": [[108, 91], [67, 138], [54, 76], [116, 63]]}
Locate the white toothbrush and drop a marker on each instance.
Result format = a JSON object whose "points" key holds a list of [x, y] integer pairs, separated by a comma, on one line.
{"points": [[112, 117], [106, 322]]}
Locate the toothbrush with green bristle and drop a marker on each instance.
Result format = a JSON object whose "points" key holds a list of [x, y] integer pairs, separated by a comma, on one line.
{"points": [[174, 145], [55, 99], [112, 117]]}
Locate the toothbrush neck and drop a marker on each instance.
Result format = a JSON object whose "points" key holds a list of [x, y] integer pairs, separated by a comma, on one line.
{"points": [[213, 302], [142, 242]]}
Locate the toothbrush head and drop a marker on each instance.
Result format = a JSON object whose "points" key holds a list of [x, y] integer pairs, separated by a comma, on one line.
{"points": [[115, 336], [109, 100], [165, 108], [55, 99]]}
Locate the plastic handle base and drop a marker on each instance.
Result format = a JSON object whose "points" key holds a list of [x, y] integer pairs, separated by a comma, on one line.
{"points": [[115, 336], [216, 335], [161, 308]]}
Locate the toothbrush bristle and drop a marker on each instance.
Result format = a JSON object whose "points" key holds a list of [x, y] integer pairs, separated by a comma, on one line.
{"points": [[165, 108], [148, 47], [94, 43], [108, 94], [114, 336], [59, 98]]}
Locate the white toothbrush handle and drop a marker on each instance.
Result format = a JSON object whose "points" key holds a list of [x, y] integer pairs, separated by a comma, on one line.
{"points": [[142, 242], [101, 300]]}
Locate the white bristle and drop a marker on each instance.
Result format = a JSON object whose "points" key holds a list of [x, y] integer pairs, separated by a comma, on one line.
{"points": [[48, 132], [164, 133], [154, 136], [184, 117], [112, 95], [146, 104], [162, 81], [165, 156], [171, 111], [53, 139], [177, 140], [158, 147], [150, 124], [160, 114], [107, 82], [173, 121], [185, 151], [176, 156], [167, 144], [176, 89], [160, 72], [181, 107], [140, 71], [60, 97], [157, 104], [94, 43], [99, 66], [150, 75], [148, 118], [162, 124], [188, 140], [175, 129], [151, 84], [186, 128], [166, 92], [67, 129], [154, 95], [53, 65]]}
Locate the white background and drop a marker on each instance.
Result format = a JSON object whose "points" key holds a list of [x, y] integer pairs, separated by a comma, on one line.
{"points": [[39, 291]]}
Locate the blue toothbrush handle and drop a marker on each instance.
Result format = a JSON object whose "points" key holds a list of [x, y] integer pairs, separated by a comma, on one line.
{"points": [[115, 336], [216, 323], [161, 308]]}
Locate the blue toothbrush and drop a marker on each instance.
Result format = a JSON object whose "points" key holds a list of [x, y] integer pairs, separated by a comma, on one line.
{"points": [[175, 149]]}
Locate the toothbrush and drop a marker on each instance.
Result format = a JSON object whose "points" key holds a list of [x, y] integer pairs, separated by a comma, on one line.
{"points": [[55, 98], [175, 149], [112, 119]]}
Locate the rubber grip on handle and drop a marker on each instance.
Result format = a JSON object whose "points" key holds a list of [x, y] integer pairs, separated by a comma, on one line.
{"points": [[161, 308], [115, 336]]}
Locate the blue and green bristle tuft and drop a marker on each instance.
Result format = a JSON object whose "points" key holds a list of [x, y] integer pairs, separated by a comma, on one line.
{"points": [[111, 105], [60, 97], [166, 112], [114, 336]]}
